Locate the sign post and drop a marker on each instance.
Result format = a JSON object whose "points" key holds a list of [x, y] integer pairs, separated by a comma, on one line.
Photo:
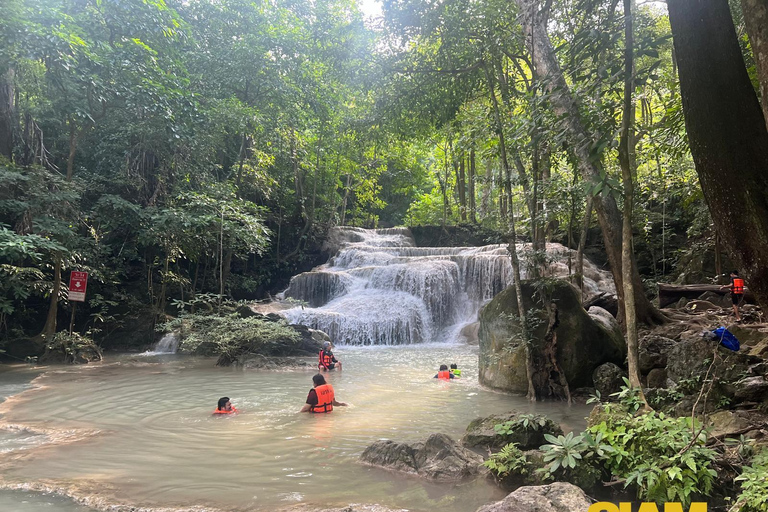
{"points": [[78, 282]]}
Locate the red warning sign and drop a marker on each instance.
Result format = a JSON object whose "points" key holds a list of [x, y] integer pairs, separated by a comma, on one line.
{"points": [[78, 282]]}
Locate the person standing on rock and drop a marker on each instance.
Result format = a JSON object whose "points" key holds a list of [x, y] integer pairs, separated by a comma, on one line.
{"points": [[737, 292], [327, 360], [321, 397]]}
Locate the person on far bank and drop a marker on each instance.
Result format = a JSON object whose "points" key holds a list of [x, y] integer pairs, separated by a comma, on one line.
{"points": [[321, 397], [225, 406], [737, 292], [327, 360], [443, 373]]}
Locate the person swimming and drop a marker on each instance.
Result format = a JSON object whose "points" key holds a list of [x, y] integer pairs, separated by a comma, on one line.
{"points": [[443, 373], [225, 406], [455, 371], [321, 397]]}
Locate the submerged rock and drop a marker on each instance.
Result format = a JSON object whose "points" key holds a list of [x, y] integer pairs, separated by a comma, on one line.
{"points": [[556, 497], [482, 434], [583, 344], [438, 458]]}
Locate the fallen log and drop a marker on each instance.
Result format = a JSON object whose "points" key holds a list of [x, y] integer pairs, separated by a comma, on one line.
{"points": [[671, 293]]}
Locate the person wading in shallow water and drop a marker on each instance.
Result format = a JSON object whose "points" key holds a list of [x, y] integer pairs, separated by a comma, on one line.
{"points": [[737, 292], [321, 398], [225, 406], [327, 360], [443, 373]]}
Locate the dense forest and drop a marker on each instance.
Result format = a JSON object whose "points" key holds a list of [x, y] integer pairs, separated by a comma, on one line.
{"points": [[183, 153]]}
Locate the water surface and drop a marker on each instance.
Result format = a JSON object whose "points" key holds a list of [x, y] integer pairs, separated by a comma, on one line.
{"points": [[139, 431]]}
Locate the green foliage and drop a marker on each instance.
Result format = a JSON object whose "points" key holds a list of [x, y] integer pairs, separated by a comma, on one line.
{"points": [[629, 397], [664, 458], [71, 348], [533, 422], [231, 335], [754, 485], [510, 460]]}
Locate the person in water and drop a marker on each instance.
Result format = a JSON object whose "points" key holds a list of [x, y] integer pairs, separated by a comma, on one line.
{"points": [[737, 292], [225, 406], [321, 397], [327, 360], [455, 371], [443, 373]]}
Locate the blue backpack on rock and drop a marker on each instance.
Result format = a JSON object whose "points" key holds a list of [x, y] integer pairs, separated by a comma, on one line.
{"points": [[727, 339]]}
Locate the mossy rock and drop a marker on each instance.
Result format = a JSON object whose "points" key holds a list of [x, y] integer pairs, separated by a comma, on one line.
{"points": [[481, 432], [583, 344]]}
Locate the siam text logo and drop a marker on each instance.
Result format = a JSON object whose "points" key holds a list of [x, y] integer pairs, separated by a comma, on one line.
{"points": [[604, 506]]}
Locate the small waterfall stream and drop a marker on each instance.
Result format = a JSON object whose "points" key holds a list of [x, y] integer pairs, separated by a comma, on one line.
{"points": [[380, 289], [168, 344]]}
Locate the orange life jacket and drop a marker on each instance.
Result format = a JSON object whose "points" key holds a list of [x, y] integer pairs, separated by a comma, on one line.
{"points": [[325, 397], [444, 375], [738, 286], [326, 359], [222, 411]]}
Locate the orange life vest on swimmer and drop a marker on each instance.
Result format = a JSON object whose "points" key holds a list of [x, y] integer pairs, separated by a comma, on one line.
{"points": [[325, 397], [222, 411], [326, 359], [444, 375], [738, 286]]}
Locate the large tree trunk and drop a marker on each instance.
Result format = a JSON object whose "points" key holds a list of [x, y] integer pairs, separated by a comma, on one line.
{"points": [[726, 130], [564, 106], [7, 116], [485, 200], [626, 160], [472, 173], [756, 19], [53, 309], [462, 186]]}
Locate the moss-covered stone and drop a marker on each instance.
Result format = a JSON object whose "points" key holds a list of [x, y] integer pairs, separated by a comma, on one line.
{"points": [[481, 432], [582, 343]]}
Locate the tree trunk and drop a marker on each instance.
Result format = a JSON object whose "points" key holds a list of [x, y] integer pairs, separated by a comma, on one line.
{"points": [[512, 243], [582, 245], [462, 179], [73, 136], [566, 110], [485, 200], [7, 116], [626, 160], [49, 330], [726, 130], [756, 19], [472, 174]]}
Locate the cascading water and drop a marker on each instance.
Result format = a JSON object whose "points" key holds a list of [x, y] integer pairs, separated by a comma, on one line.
{"points": [[380, 289], [168, 344]]}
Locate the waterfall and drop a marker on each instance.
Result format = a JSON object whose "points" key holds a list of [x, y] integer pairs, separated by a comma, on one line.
{"points": [[168, 344], [378, 288]]}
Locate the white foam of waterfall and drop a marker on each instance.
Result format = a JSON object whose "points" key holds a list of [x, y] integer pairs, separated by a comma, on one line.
{"points": [[381, 289], [168, 344]]}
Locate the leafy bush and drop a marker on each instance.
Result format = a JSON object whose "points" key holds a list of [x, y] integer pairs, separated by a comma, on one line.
{"points": [[526, 421], [232, 336], [754, 485], [574, 458], [510, 460], [659, 455]]}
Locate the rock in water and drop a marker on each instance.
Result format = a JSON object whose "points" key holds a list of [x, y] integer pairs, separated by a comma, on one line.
{"points": [[482, 434], [583, 344], [608, 379], [556, 497], [438, 458]]}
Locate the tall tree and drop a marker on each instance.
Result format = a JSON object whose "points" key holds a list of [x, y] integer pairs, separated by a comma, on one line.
{"points": [[580, 142], [726, 130], [756, 20]]}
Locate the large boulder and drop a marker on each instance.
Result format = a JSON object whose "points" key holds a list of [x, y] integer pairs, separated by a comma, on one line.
{"points": [[438, 458], [583, 344], [608, 379], [556, 497], [691, 356], [481, 433], [652, 351]]}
